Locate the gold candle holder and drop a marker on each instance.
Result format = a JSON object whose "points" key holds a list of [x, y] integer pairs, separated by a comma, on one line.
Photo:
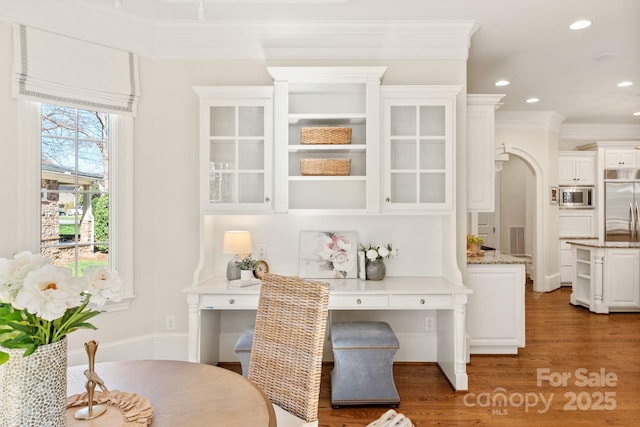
{"points": [[91, 411]]}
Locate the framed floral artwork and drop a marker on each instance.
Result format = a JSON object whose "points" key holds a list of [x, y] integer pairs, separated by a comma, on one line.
{"points": [[328, 254]]}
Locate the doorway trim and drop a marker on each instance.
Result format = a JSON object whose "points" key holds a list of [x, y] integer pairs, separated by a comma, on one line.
{"points": [[540, 282]]}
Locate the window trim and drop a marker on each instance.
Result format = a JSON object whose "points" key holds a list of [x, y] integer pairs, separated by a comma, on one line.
{"points": [[121, 186]]}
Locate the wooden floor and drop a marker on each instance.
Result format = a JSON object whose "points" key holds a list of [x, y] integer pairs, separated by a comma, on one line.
{"points": [[563, 340]]}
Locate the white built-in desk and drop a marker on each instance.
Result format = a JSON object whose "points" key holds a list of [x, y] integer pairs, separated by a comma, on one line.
{"points": [[449, 299]]}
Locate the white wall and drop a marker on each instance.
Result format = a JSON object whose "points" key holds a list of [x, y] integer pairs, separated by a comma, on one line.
{"points": [[8, 152], [514, 178], [166, 210]]}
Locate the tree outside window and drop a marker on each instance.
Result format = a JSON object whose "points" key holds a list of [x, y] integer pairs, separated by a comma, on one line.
{"points": [[75, 147]]}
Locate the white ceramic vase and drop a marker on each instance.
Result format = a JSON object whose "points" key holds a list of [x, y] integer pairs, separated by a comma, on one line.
{"points": [[246, 274], [376, 270], [33, 389]]}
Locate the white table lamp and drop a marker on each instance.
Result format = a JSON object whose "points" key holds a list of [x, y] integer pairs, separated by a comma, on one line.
{"points": [[237, 243]]}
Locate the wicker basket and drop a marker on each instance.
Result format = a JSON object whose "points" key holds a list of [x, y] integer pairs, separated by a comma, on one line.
{"points": [[325, 135], [325, 167]]}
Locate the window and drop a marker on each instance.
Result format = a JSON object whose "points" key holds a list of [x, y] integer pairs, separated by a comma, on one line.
{"points": [[75, 157], [88, 183]]}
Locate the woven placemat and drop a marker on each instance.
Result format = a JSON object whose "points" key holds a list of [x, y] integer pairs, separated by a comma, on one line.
{"points": [[123, 409]]}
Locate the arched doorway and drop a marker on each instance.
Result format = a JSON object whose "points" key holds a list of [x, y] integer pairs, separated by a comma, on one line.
{"points": [[540, 284]]}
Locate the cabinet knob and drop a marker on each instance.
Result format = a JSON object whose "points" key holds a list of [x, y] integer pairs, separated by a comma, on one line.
{"points": [[358, 301], [422, 301], [388, 199], [232, 301], [267, 199]]}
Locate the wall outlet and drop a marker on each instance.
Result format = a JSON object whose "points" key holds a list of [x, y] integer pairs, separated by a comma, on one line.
{"points": [[170, 323], [395, 252], [429, 323], [261, 251]]}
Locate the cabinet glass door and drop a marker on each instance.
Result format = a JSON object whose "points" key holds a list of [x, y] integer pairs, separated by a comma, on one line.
{"points": [[417, 144], [236, 154]]}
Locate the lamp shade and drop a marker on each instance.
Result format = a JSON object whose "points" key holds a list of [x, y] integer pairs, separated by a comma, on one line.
{"points": [[236, 243]]}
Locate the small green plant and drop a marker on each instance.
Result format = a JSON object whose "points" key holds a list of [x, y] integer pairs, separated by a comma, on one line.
{"points": [[473, 239], [247, 263]]}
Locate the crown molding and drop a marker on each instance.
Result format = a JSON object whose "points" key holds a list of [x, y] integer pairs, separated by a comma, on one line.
{"points": [[307, 40], [105, 26], [529, 120], [599, 132], [266, 40], [485, 99]]}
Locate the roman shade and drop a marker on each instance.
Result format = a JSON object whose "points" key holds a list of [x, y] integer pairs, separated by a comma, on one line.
{"points": [[49, 67]]}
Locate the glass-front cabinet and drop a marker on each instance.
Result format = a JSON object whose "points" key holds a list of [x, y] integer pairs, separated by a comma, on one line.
{"points": [[236, 150], [418, 147]]}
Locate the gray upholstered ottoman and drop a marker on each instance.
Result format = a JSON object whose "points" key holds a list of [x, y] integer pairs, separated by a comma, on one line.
{"points": [[243, 349], [363, 364]]}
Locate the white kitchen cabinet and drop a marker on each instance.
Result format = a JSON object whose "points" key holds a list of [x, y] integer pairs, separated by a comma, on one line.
{"points": [[622, 275], [577, 223], [481, 151], [607, 278], [568, 261], [345, 97], [586, 277], [495, 309], [418, 148], [236, 149], [620, 158], [577, 168], [567, 264]]}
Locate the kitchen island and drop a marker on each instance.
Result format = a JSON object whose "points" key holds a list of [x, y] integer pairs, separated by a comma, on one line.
{"points": [[495, 309], [607, 276]]}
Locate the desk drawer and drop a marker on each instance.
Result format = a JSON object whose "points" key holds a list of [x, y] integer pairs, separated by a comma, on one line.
{"points": [[229, 302], [421, 302], [358, 301]]}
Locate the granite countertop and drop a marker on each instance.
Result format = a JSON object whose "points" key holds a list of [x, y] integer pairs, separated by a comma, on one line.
{"points": [[596, 244], [496, 257], [578, 238]]}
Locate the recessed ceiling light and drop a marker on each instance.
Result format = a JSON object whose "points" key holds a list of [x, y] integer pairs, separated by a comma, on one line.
{"points": [[502, 82], [580, 24], [637, 113], [533, 100], [625, 84]]}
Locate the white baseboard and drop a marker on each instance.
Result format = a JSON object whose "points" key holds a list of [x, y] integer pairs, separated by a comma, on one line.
{"points": [[173, 346]]}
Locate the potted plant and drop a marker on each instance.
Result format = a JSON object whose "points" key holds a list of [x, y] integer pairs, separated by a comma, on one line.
{"points": [[246, 265], [40, 304], [375, 268], [474, 244]]}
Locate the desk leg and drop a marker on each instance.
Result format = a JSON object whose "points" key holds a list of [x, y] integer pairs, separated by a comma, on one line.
{"points": [[452, 343], [193, 300], [210, 337]]}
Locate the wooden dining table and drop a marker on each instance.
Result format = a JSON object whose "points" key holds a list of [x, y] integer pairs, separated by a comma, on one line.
{"points": [[180, 393]]}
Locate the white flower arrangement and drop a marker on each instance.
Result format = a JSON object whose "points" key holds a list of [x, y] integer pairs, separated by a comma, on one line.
{"points": [[41, 303], [377, 252]]}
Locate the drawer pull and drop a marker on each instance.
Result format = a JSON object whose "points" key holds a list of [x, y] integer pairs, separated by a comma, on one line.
{"points": [[422, 301], [232, 301], [358, 301]]}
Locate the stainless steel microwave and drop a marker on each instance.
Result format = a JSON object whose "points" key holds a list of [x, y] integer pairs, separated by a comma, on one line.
{"points": [[577, 197]]}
